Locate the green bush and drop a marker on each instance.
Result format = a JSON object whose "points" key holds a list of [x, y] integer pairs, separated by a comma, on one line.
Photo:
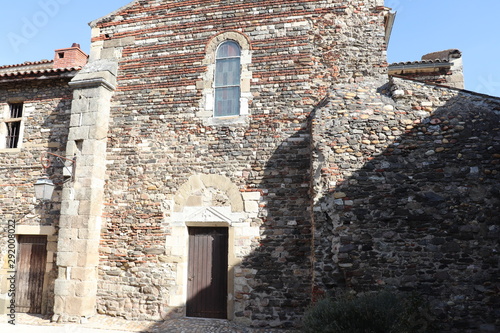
{"points": [[380, 312]]}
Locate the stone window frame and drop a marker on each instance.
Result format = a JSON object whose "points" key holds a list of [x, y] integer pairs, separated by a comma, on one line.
{"points": [[6, 118], [207, 84]]}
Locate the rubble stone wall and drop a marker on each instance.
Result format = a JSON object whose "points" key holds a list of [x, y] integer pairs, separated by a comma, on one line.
{"points": [[406, 197], [46, 112]]}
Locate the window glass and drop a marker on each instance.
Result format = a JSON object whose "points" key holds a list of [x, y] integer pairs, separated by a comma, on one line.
{"points": [[227, 80], [227, 101], [228, 49], [228, 72]]}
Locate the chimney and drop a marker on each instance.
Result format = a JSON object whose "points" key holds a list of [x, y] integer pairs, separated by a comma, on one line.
{"points": [[70, 57]]}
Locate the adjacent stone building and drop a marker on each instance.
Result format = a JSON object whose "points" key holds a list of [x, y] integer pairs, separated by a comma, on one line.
{"points": [[238, 160], [35, 108], [440, 68]]}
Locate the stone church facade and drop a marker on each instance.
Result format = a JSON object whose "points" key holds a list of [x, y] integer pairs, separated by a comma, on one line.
{"points": [[238, 160]]}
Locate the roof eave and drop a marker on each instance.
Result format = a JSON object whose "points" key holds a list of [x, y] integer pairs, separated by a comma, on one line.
{"points": [[404, 78], [439, 65], [389, 26], [17, 77]]}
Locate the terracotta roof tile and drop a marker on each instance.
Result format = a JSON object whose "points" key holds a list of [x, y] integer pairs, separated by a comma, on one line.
{"points": [[27, 64], [421, 62], [35, 71], [443, 55]]}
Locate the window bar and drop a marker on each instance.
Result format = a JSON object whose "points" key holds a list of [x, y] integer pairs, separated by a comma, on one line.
{"points": [[13, 134], [16, 110]]}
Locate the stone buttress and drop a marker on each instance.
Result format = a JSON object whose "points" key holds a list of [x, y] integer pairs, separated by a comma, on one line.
{"points": [[82, 199]]}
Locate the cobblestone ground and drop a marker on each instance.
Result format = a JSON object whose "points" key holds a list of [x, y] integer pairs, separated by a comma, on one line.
{"points": [[183, 325]]}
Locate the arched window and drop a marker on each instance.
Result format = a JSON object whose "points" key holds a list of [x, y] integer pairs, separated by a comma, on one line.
{"points": [[227, 79]]}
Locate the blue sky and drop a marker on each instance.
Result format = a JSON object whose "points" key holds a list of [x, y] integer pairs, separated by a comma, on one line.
{"points": [[31, 30], [473, 27]]}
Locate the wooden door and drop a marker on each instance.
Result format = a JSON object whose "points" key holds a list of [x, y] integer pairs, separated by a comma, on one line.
{"points": [[207, 273], [31, 265]]}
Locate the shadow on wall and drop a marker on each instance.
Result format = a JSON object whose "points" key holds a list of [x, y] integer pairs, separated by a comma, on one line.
{"points": [[410, 200], [281, 286], [273, 282], [58, 119]]}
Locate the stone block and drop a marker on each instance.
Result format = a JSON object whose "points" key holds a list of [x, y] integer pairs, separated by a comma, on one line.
{"points": [[251, 196], [93, 147], [66, 244], [76, 120], [251, 207], [195, 183], [80, 221], [91, 119], [83, 194], [50, 256], [245, 84], [80, 245], [64, 287], [116, 42], [67, 233], [235, 199], [52, 247], [99, 132], [68, 193], [79, 133], [89, 234], [70, 207], [88, 259], [66, 259], [194, 201], [59, 305], [80, 306], [86, 288], [78, 106], [110, 53], [87, 162], [90, 207], [178, 251]]}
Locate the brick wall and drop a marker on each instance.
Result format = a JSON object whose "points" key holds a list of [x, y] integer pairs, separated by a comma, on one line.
{"points": [[70, 57], [333, 180], [157, 141]]}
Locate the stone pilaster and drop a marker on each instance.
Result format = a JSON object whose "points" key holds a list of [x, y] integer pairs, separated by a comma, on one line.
{"points": [[82, 200]]}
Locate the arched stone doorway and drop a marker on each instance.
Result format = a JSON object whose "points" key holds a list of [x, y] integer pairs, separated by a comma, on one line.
{"points": [[211, 205]]}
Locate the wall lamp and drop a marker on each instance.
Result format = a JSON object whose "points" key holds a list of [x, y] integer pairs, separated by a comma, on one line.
{"points": [[44, 186]]}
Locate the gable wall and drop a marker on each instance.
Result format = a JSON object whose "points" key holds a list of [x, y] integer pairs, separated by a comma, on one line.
{"points": [[407, 197], [159, 137]]}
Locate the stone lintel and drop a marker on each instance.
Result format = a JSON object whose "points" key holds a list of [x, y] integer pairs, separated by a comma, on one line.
{"points": [[35, 230]]}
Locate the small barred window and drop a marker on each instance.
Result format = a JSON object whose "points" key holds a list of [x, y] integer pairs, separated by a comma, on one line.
{"points": [[11, 126]]}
